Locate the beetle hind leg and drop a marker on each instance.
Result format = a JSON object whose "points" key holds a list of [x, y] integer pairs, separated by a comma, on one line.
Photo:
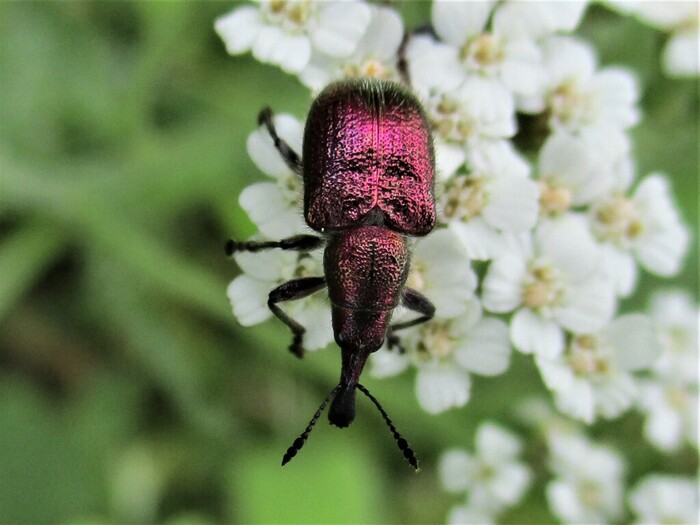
{"points": [[290, 157], [291, 291]]}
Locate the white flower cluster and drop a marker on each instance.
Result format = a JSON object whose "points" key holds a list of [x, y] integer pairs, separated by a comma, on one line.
{"points": [[536, 183], [669, 396], [681, 20], [492, 477], [535, 177], [587, 481]]}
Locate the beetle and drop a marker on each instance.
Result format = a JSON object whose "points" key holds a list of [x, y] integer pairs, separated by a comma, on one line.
{"points": [[368, 174]]}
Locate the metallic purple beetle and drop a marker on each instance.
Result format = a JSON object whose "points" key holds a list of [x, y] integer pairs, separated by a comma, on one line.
{"points": [[368, 170]]}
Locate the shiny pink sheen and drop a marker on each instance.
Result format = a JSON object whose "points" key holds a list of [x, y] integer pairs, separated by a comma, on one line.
{"points": [[368, 158]]}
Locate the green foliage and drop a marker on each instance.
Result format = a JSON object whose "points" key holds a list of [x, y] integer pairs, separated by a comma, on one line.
{"points": [[128, 393]]}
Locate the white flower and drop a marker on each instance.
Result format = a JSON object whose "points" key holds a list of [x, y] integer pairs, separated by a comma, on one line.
{"points": [[646, 226], [597, 104], [468, 515], [554, 283], [669, 399], [495, 196], [285, 32], [458, 341], [676, 318], [266, 270], [274, 207], [671, 410], [493, 477], [570, 174], [588, 483], [594, 376], [375, 55], [660, 498], [680, 54], [508, 50], [469, 118]]}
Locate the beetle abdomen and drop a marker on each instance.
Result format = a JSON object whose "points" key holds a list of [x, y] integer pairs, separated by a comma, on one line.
{"points": [[367, 146]]}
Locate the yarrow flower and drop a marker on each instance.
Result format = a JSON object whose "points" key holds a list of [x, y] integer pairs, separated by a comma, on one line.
{"points": [[669, 398], [594, 375], [680, 20], [373, 57], [552, 281], [493, 477], [645, 226], [543, 227], [588, 482], [659, 498], [286, 32]]}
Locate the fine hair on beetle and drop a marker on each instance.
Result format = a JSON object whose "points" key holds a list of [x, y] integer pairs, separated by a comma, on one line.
{"points": [[368, 170]]}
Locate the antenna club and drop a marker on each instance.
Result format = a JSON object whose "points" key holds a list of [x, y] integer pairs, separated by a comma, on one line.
{"points": [[400, 441]]}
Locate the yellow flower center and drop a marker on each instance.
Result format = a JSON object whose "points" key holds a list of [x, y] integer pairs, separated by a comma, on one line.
{"points": [[464, 197], [569, 104], [542, 287], [483, 51], [290, 14], [436, 341], [554, 200], [586, 357], [618, 221]]}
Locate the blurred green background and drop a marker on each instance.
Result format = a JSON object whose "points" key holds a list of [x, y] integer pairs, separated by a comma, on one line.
{"points": [[128, 392]]}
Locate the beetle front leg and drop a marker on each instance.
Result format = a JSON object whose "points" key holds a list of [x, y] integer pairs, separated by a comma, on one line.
{"points": [[290, 157], [416, 302], [300, 243], [291, 291]]}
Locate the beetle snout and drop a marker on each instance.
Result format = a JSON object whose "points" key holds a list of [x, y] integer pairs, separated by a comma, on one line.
{"points": [[342, 411]]}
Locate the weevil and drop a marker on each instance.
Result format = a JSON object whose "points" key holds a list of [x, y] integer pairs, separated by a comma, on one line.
{"points": [[368, 172]]}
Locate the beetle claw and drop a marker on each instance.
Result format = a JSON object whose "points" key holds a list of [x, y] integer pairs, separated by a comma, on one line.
{"points": [[393, 341], [296, 348]]}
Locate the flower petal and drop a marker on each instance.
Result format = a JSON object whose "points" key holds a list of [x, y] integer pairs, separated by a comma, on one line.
{"points": [[239, 28], [487, 349], [271, 212], [635, 340], [513, 204], [456, 22], [340, 27], [440, 388], [568, 243], [453, 468], [532, 333], [248, 299], [587, 307], [502, 288]]}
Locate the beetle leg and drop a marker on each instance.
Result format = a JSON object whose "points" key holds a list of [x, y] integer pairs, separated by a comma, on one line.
{"points": [[290, 157], [291, 291], [401, 62], [300, 243], [416, 302]]}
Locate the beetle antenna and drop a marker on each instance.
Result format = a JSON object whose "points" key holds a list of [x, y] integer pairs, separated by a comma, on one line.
{"points": [[400, 441], [299, 442]]}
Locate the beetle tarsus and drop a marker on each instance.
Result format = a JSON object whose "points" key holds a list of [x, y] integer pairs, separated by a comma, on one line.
{"points": [[297, 347], [394, 342]]}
